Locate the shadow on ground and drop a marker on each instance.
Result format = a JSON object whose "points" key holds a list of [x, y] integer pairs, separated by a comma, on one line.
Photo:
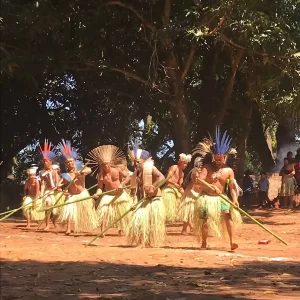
{"points": [[101, 280]]}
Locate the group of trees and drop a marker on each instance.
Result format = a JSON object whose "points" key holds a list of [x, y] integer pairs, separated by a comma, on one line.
{"points": [[91, 70]]}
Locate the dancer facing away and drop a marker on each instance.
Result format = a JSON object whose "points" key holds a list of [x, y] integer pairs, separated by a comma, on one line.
{"points": [[191, 194], [31, 199], [112, 176], [147, 227], [50, 181], [81, 213], [173, 190], [212, 213]]}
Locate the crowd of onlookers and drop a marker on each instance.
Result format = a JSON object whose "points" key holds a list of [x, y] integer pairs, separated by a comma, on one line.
{"points": [[289, 192]]}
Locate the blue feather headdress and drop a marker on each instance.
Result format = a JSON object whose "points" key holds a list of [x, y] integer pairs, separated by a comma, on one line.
{"points": [[137, 153], [47, 150], [222, 143], [67, 151], [208, 148]]}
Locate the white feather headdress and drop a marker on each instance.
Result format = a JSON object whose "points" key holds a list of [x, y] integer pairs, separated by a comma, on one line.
{"points": [[185, 157]]}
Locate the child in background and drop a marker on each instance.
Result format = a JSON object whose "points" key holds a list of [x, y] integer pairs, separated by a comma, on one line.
{"points": [[263, 186]]}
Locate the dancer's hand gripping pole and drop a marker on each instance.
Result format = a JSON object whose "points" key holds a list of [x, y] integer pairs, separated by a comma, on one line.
{"points": [[101, 234], [225, 198]]}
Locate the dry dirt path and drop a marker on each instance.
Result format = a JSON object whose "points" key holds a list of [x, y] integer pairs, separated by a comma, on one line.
{"points": [[39, 265]]}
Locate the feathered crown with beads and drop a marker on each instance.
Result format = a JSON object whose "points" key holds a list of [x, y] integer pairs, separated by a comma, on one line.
{"points": [[47, 151], [138, 153], [208, 148]]}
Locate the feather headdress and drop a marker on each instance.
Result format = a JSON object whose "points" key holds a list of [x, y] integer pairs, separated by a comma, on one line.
{"points": [[47, 151], [208, 148], [32, 170], [67, 151], [137, 153], [107, 154], [185, 157]]}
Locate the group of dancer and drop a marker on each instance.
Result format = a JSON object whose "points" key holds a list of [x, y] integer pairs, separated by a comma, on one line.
{"points": [[140, 203]]}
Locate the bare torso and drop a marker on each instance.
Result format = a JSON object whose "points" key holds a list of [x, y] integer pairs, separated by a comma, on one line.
{"points": [[78, 185], [50, 179], [32, 188], [112, 179], [176, 178], [217, 177], [193, 184], [155, 175]]}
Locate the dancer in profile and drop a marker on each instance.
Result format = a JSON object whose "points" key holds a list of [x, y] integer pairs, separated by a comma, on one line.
{"points": [[173, 190]]}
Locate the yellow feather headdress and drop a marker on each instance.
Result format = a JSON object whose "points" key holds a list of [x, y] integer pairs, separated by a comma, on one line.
{"points": [[106, 154]]}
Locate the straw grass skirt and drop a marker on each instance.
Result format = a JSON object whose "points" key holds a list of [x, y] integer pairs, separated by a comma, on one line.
{"points": [[33, 212], [208, 209], [147, 227], [51, 198], [82, 213], [172, 200], [113, 207], [187, 207]]}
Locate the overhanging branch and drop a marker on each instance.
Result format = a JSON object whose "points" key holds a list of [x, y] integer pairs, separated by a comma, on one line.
{"points": [[131, 75], [189, 61], [130, 7]]}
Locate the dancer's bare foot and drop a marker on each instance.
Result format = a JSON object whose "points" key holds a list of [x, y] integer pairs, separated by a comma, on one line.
{"points": [[234, 246], [46, 228], [27, 227], [203, 245], [68, 233], [184, 232]]}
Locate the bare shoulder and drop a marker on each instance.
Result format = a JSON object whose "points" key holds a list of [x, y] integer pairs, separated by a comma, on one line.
{"points": [[173, 168], [229, 172], [155, 171]]}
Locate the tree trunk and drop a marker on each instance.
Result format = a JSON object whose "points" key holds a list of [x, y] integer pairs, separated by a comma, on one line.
{"points": [[235, 63], [258, 141], [242, 141], [178, 106]]}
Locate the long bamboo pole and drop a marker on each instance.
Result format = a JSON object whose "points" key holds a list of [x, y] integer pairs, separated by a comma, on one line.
{"points": [[21, 207], [225, 198], [82, 199], [126, 213]]}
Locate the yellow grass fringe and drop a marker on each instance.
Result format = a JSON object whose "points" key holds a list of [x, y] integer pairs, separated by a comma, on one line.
{"points": [[210, 207], [147, 227], [172, 200], [32, 212], [114, 206], [187, 207], [82, 213]]}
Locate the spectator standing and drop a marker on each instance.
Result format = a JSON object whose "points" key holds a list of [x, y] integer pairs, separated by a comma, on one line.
{"points": [[263, 186]]}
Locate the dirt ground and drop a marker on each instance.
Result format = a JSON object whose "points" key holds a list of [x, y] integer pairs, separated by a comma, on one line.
{"points": [[38, 265]]}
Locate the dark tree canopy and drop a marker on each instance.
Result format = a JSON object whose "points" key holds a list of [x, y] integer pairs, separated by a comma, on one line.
{"points": [[91, 70]]}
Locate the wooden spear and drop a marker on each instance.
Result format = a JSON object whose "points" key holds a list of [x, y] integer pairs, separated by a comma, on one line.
{"points": [[225, 198], [126, 213]]}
